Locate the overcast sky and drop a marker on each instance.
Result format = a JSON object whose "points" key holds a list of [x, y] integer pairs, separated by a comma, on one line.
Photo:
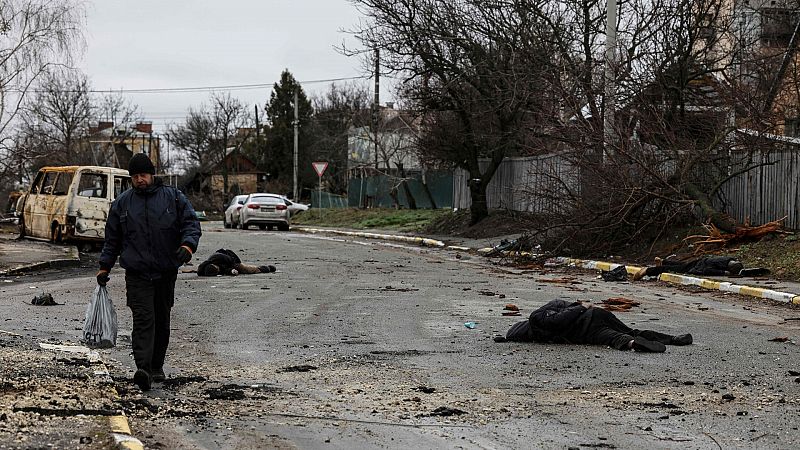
{"points": [[158, 44]]}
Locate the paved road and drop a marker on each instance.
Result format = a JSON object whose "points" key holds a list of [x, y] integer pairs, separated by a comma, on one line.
{"points": [[357, 343]]}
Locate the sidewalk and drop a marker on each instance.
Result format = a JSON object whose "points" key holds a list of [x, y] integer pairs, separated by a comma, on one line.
{"points": [[57, 396], [18, 256]]}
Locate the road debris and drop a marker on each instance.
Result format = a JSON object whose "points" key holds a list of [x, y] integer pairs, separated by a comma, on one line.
{"points": [[619, 273], [619, 304]]}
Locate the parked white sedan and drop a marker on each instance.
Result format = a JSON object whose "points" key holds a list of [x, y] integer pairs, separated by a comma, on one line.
{"points": [[231, 218], [295, 207], [265, 211]]}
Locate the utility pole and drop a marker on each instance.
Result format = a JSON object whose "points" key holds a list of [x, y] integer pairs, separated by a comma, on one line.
{"points": [[376, 103], [258, 146], [296, 124], [610, 78]]}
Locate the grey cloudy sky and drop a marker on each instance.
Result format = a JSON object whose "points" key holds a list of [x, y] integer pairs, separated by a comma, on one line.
{"points": [[156, 44]]}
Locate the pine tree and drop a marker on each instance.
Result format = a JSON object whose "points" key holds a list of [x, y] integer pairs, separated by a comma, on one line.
{"points": [[279, 149]]}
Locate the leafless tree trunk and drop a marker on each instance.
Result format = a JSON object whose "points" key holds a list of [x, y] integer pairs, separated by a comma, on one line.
{"points": [[473, 70], [34, 36], [59, 110]]}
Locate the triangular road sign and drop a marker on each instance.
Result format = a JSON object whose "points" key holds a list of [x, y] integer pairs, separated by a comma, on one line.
{"points": [[320, 167]]}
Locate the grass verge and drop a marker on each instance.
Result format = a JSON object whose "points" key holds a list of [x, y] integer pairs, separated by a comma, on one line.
{"points": [[407, 220]]}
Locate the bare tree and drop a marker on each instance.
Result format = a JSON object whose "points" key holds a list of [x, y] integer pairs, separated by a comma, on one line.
{"points": [[336, 113], [34, 35], [123, 115], [228, 115], [59, 110], [194, 138], [690, 76], [474, 69]]}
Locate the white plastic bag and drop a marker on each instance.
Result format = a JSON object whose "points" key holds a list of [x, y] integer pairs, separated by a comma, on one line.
{"points": [[100, 327]]}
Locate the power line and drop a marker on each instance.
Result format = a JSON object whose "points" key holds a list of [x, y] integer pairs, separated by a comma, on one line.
{"points": [[213, 88]]}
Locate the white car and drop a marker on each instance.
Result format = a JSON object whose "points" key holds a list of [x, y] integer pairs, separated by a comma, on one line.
{"points": [[265, 211], [231, 218], [294, 208]]}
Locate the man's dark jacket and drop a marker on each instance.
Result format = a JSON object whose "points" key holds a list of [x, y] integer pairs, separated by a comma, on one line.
{"points": [[145, 227], [557, 321]]}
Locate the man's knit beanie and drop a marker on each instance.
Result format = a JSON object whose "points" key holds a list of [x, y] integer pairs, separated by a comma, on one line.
{"points": [[140, 163]]}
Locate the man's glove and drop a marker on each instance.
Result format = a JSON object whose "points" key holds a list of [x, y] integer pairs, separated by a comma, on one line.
{"points": [[102, 277], [184, 254]]}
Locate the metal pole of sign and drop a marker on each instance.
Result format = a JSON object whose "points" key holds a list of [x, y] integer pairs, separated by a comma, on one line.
{"points": [[319, 196]]}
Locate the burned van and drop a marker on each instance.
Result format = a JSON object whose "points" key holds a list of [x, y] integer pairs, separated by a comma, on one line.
{"points": [[71, 203]]}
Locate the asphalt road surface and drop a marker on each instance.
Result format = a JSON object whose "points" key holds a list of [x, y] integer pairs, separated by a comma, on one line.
{"points": [[356, 343]]}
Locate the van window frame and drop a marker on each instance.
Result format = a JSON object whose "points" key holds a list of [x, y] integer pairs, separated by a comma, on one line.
{"points": [[83, 188], [37, 182]]}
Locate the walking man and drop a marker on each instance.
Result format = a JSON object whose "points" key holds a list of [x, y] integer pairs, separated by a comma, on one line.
{"points": [[153, 230]]}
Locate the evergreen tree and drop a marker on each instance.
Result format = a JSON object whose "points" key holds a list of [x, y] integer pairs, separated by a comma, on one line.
{"points": [[279, 148]]}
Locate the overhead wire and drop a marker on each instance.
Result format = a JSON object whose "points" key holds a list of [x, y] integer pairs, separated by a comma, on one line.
{"points": [[231, 87]]}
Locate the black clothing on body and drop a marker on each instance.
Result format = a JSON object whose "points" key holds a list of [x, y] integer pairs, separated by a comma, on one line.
{"points": [[224, 259], [559, 321], [707, 265]]}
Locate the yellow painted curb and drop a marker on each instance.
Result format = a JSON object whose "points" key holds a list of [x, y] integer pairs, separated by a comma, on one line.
{"points": [[690, 280], [119, 424], [121, 432]]}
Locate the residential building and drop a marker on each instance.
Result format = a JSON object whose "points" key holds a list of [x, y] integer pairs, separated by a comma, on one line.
{"points": [[113, 146]]}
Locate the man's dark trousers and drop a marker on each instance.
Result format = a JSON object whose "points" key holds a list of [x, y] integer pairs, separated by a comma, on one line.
{"points": [[604, 328], [150, 302]]}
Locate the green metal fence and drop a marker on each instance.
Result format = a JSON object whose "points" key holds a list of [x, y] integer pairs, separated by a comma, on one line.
{"points": [[378, 191]]}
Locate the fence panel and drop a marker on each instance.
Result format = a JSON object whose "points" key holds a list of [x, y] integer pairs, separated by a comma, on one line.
{"points": [[769, 192], [522, 184], [531, 184]]}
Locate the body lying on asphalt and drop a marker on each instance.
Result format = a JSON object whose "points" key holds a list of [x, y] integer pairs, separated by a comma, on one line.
{"points": [[564, 322], [706, 265], [226, 262]]}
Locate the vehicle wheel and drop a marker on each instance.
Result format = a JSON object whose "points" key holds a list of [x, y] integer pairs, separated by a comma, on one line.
{"points": [[55, 233], [284, 227], [245, 226], [269, 227], [263, 227], [225, 223]]}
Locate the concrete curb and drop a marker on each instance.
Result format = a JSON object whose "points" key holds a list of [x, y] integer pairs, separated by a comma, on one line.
{"points": [[73, 259], [119, 428], [685, 280], [427, 242]]}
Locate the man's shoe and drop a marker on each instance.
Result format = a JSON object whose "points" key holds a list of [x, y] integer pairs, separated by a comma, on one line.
{"points": [[641, 344], [683, 339], [159, 376], [143, 379]]}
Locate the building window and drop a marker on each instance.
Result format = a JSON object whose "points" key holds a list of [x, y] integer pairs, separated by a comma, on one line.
{"points": [[777, 26]]}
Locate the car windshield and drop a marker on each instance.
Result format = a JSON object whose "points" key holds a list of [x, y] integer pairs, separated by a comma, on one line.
{"points": [[266, 200]]}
